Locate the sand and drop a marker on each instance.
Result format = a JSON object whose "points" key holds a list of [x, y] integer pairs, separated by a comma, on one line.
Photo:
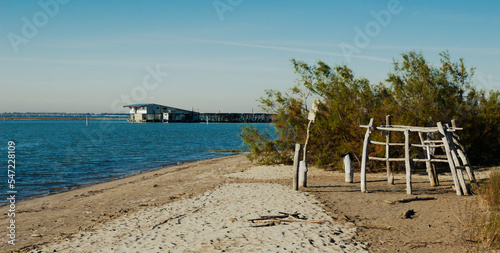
{"points": [[204, 207], [216, 221]]}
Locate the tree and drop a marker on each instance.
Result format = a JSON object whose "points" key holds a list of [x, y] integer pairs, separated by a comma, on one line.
{"points": [[417, 93]]}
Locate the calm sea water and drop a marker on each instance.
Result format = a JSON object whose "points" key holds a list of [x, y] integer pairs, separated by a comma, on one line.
{"points": [[54, 156]]}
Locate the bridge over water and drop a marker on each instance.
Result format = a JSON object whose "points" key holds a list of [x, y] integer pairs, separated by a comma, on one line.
{"points": [[237, 117]]}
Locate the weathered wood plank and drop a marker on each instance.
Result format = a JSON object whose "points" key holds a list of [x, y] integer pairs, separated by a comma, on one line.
{"points": [[364, 158], [428, 167], [385, 159], [407, 162], [444, 138], [296, 158], [458, 167], [461, 153], [390, 176]]}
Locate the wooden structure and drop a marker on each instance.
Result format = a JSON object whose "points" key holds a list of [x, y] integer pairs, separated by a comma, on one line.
{"points": [[449, 141]]}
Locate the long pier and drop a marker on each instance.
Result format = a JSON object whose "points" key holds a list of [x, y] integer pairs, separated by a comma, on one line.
{"points": [[236, 117], [63, 116], [203, 117]]}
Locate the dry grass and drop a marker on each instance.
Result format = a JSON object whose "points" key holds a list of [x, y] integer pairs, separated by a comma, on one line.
{"points": [[485, 218]]}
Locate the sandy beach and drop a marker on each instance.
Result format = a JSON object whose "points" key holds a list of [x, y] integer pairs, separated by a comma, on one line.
{"points": [[208, 206]]}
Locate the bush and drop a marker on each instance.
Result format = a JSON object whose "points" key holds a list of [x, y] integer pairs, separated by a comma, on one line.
{"points": [[416, 93]]}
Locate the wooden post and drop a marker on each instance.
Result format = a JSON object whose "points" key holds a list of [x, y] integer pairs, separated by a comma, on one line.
{"points": [[450, 159], [307, 140], [461, 153], [349, 172], [296, 158], [365, 156], [303, 163], [430, 172], [390, 177], [407, 162], [303, 173]]}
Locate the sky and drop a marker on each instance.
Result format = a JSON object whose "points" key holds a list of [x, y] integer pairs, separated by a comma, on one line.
{"points": [[210, 56]]}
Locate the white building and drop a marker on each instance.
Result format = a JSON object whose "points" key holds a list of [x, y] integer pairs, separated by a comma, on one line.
{"points": [[160, 113]]}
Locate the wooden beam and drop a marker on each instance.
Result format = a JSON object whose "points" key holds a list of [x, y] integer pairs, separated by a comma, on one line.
{"points": [[428, 167], [461, 153], [385, 159], [296, 158], [365, 156], [430, 160], [454, 155], [384, 143], [426, 145], [407, 162], [444, 138], [390, 176]]}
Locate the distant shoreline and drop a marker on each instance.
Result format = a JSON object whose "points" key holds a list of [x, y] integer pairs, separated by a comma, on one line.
{"points": [[64, 118]]}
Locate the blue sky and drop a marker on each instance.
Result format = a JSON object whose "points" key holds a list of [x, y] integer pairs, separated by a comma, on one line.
{"points": [[96, 56]]}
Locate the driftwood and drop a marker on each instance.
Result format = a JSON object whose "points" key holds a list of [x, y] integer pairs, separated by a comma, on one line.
{"points": [[409, 200], [269, 217], [415, 199], [263, 225], [272, 220], [287, 220]]}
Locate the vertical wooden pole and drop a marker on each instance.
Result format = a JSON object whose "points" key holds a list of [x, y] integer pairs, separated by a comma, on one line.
{"points": [[407, 162], [364, 158], [428, 166], [390, 177], [303, 163], [434, 172], [296, 159], [303, 173], [307, 140], [453, 170]]}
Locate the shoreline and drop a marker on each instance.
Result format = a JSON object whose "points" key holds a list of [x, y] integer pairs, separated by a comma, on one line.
{"points": [[111, 179], [58, 215]]}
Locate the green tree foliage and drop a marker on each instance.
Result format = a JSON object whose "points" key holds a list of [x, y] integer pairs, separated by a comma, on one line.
{"points": [[417, 93]]}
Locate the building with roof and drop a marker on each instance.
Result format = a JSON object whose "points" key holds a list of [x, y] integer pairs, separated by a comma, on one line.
{"points": [[160, 113]]}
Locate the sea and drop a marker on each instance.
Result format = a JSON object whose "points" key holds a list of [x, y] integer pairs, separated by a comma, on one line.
{"points": [[53, 156]]}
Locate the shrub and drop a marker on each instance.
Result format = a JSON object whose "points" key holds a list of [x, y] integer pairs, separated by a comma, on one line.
{"points": [[417, 93], [485, 223]]}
